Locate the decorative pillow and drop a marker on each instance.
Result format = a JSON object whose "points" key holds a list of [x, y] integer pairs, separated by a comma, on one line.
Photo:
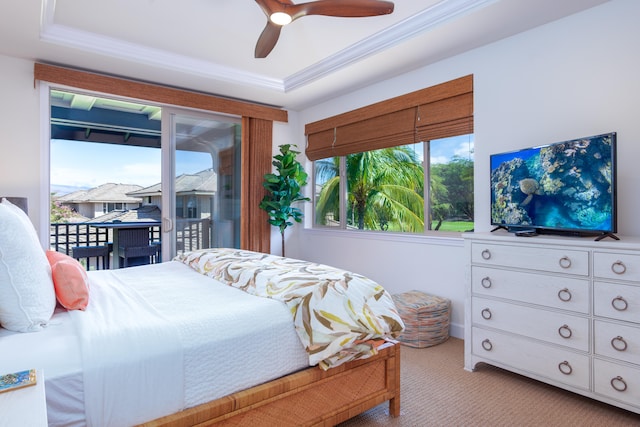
{"points": [[27, 296], [70, 281]]}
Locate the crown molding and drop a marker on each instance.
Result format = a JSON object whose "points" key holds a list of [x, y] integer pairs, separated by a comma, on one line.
{"points": [[419, 23], [426, 20], [116, 48]]}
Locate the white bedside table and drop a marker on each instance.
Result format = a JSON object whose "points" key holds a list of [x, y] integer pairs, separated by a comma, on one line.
{"points": [[25, 406]]}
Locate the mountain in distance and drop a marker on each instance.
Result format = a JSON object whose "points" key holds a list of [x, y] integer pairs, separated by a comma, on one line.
{"points": [[60, 190]]}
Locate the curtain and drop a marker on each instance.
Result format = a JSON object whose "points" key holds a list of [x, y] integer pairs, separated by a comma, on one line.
{"points": [[256, 161]]}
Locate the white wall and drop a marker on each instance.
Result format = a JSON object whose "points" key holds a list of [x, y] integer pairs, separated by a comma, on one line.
{"points": [[571, 78], [20, 133]]}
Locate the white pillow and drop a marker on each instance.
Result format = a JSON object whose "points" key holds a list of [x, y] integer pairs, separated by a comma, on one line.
{"points": [[27, 295]]}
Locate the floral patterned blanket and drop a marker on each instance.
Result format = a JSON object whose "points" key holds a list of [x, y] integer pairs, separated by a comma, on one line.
{"points": [[337, 314]]}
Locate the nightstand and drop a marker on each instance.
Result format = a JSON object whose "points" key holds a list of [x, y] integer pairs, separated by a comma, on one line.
{"points": [[25, 406]]}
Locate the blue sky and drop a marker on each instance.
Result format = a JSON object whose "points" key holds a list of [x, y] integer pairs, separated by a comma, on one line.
{"points": [[443, 150], [87, 165]]}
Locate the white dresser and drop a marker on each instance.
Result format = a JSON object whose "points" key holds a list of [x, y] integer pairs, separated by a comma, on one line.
{"points": [[565, 311]]}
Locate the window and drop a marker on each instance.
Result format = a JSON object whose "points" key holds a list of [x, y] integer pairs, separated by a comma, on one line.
{"points": [[401, 165], [451, 184], [108, 207], [191, 210], [384, 190]]}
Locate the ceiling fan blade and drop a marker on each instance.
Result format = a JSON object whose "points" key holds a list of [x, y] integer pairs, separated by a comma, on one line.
{"points": [[338, 8], [267, 40], [341, 8]]}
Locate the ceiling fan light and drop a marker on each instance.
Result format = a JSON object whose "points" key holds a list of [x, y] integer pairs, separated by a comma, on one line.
{"points": [[280, 18]]}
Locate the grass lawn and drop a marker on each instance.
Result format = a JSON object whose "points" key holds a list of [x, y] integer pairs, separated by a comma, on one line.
{"points": [[457, 226]]}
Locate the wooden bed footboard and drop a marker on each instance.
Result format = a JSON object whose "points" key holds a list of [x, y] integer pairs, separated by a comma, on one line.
{"points": [[311, 397]]}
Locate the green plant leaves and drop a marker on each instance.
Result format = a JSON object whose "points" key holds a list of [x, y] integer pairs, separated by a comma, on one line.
{"points": [[284, 189]]}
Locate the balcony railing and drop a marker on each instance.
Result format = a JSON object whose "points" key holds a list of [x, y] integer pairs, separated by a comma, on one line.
{"points": [[65, 236], [191, 234]]}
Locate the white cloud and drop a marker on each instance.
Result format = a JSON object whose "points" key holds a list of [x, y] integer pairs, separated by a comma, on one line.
{"points": [[463, 150], [439, 159]]}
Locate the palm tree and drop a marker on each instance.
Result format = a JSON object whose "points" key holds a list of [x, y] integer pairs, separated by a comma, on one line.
{"points": [[385, 190], [328, 203], [440, 209]]}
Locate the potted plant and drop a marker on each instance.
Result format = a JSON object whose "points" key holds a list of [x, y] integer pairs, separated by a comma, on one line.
{"points": [[283, 189]]}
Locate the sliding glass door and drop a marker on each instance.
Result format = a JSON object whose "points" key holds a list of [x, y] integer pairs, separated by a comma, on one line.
{"points": [[117, 165], [201, 172]]}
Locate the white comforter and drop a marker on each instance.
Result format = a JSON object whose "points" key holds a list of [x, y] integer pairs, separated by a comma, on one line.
{"points": [[129, 351], [159, 338]]}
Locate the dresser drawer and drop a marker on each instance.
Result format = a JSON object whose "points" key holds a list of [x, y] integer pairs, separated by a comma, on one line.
{"points": [[617, 341], [545, 360], [565, 293], [619, 266], [616, 301], [617, 381], [567, 261], [554, 327]]}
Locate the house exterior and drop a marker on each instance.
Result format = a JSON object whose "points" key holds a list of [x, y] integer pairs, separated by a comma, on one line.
{"points": [[194, 194], [573, 77], [101, 200], [146, 213]]}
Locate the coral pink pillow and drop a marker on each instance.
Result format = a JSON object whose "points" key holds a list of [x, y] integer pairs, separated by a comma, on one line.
{"points": [[70, 281]]}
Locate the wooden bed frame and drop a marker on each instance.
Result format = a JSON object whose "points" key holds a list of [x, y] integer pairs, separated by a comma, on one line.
{"points": [[311, 397]]}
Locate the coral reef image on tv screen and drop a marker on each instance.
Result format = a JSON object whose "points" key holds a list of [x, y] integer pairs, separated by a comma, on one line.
{"points": [[562, 186]]}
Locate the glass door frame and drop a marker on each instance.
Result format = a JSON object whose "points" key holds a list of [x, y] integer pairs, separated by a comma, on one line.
{"points": [[167, 147], [169, 119]]}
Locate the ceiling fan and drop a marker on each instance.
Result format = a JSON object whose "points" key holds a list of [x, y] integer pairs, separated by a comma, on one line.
{"points": [[282, 12]]}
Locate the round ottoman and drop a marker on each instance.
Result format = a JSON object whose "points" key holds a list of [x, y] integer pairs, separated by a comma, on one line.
{"points": [[425, 317]]}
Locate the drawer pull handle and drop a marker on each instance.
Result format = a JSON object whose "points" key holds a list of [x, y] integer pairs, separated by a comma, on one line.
{"points": [[565, 262], [486, 314], [619, 384], [565, 331], [619, 343], [564, 295], [619, 303], [565, 368], [486, 282], [486, 254], [618, 267], [486, 344]]}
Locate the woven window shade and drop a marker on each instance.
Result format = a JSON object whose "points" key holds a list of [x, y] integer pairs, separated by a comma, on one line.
{"points": [[447, 117], [436, 112]]}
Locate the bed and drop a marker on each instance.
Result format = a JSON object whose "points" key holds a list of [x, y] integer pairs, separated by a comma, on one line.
{"points": [[195, 341]]}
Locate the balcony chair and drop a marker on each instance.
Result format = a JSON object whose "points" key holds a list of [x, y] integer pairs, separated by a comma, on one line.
{"points": [[139, 255], [89, 252]]}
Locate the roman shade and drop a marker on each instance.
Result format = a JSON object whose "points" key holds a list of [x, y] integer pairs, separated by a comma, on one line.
{"points": [[436, 112]]}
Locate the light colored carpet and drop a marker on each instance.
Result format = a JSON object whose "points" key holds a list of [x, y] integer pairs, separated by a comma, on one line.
{"points": [[437, 391]]}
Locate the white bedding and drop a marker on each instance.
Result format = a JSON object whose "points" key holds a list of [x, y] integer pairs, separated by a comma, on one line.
{"points": [[120, 330], [230, 341]]}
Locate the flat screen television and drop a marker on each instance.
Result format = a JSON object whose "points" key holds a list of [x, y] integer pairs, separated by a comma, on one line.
{"points": [[567, 187]]}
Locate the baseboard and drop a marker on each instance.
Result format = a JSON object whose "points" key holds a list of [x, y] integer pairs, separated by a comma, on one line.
{"points": [[456, 331]]}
